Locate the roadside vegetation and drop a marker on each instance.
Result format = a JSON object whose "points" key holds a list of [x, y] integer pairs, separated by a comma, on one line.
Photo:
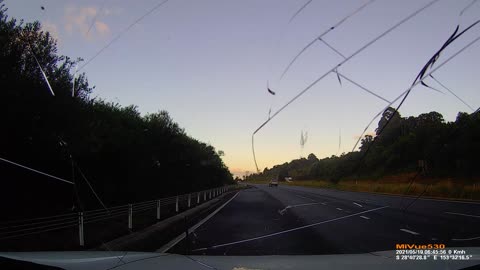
{"points": [[63, 131], [439, 188], [413, 155]]}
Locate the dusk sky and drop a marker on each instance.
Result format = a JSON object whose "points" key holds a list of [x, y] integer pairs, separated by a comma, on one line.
{"points": [[207, 62]]}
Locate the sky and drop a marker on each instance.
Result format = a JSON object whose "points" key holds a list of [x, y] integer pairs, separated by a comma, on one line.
{"points": [[208, 63]]}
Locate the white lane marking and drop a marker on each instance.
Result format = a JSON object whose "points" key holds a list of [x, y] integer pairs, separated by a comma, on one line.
{"points": [[466, 239], [460, 214], [408, 231], [281, 212], [291, 230], [364, 217], [303, 204], [179, 238], [434, 239], [339, 209], [305, 198], [324, 203], [357, 204]]}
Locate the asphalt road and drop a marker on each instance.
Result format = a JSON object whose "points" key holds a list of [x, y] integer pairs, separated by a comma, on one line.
{"points": [[296, 220]]}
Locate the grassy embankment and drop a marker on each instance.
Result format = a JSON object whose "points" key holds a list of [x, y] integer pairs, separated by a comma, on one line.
{"points": [[441, 188]]}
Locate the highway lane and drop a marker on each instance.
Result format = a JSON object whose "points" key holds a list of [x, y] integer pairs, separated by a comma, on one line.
{"points": [[298, 220]]}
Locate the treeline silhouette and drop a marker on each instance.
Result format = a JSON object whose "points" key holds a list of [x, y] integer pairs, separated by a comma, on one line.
{"points": [[425, 144], [126, 157]]}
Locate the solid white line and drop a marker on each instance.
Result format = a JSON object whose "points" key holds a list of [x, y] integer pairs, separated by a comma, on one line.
{"points": [[290, 230], [466, 239], [324, 203], [364, 217], [408, 231], [339, 209], [357, 204], [179, 238], [460, 214]]}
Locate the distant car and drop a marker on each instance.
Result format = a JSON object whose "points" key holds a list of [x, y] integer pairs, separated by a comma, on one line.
{"points": [[273, 183]]}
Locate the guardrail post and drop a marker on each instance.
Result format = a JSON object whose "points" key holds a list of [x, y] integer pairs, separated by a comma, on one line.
{"points": [[130, 217], [210, 195], [204, 196], [158, 209], [80, 229], [176, 205], [189, 199], [198, 198]]}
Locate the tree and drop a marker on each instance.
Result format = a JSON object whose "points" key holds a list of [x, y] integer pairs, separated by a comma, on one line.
{"points": [[312, 158], [366, 142], [391, 117], [449, 149], [126, 157]]}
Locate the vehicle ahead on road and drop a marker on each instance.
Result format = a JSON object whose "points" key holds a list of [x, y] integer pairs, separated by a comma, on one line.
{"points": [[273, 183]]}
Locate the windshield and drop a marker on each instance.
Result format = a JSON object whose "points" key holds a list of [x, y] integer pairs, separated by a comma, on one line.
{"points": [[241, 127]]}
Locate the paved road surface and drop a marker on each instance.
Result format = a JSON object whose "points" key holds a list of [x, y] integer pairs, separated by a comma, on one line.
{"points": [[297, 220]]}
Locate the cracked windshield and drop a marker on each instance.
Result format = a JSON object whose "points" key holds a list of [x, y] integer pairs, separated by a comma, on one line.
{"points": [[213, 134]]}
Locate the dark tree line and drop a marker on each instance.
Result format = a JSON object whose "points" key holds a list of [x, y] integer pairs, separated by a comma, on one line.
{"points": [[425, 143], [125, 156]]}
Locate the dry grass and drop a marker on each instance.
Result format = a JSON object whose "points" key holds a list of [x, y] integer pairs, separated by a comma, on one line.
{"points": [[441, 188]]}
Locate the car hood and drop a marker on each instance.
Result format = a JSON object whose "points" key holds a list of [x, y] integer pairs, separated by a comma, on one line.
{"points": [[102, 260]]}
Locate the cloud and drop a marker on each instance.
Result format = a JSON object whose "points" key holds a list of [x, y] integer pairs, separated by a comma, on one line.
{"points": [[80, 19], [107, 11], [52, 29], [102, 28]]}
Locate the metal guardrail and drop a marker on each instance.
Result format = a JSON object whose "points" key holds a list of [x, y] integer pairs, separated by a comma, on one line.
{"points": [[25, 227]]}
